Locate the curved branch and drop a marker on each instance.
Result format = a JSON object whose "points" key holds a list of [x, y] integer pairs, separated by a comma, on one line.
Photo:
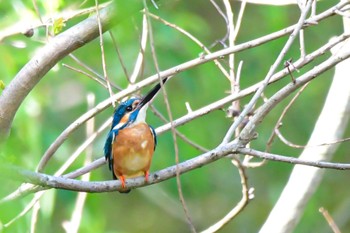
{"points": [[57, 48], [247, 195]]}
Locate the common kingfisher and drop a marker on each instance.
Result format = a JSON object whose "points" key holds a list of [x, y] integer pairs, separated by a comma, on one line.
{"points": [[131, 141]]}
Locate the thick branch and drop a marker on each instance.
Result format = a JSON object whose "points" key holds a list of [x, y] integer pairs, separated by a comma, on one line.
{"points": [[109, 186], [60, 182]]}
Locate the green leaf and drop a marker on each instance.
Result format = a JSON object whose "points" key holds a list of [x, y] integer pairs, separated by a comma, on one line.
{"points": [[2, 85], [58, 25]]}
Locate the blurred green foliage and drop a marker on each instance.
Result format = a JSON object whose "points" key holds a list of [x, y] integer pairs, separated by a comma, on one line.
{"points": [[210, 191], [2, 85]]}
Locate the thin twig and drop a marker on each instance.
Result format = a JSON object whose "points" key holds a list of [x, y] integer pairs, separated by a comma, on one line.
{"points": [[246, 196], [313, 9], [44, 21], [239, 19], [329, 220], [231, 40], [288, 64], [99, 76], [279, 121], [194, 39], [178, 181], [178, 133], [103, 52], [236, 90], [72, 226], [26, 209], [115, 44], [302, 43], [233, 32], [223, 15], [140, 57], [34, 219], [293, 160], [37, 12], [86, 74], [269, 75], [288, 143]]}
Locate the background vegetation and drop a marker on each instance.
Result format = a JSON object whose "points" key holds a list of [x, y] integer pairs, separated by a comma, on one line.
{"points": [[211, 191]]}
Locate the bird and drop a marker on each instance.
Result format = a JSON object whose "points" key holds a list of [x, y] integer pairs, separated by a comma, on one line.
{"points": [[131, 142]]}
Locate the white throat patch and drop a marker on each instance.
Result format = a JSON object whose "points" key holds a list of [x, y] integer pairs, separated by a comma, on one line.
{"points": [[141, 117]]}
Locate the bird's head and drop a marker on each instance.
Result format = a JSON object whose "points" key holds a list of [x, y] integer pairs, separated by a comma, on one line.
{"points": [[133, 110]]}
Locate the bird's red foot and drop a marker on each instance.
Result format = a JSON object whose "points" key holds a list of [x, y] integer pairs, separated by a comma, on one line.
{"points": [[124, 188], [122, 180], [146, 176]]}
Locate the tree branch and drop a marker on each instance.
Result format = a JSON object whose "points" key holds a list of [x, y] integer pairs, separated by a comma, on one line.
{"points": [[60, 182], [255, 119], [190, 64], [293, 160], [330, 126], [57, 48]]}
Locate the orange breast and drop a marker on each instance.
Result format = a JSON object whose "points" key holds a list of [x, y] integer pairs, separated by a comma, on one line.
{"points": [[132, 150]]}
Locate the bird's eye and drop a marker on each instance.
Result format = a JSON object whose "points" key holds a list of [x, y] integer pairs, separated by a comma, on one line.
{"points": [[129, 108]]}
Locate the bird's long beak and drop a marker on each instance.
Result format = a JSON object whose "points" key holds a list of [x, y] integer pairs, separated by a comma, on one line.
{"points": [[147, 98]]}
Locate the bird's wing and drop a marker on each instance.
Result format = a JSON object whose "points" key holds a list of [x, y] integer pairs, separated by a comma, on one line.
{"points": [[154, 136], [108, 147]]}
